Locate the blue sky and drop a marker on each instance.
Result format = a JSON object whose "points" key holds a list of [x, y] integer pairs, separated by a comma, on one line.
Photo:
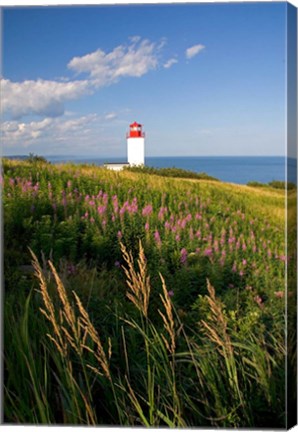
{"points": [[203, 79]]}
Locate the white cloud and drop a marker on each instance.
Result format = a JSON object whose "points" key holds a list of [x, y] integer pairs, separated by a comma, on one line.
{"points": [[170, 63], [57, 129], [39, 97], [135, 39], [193, 50], [134, 60], [91, 135], [110, 116], [47, 97]]}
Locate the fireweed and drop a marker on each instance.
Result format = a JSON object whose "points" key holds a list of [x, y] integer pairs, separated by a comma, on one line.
{"points": [[189, 234]]}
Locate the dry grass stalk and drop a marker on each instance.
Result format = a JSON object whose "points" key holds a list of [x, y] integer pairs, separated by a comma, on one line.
{"points": [[49, 310], [71, 330], [167, 318], [216, 329], [138, 282], [67, 314], [67, 308], [90, 330], [136, 404]]}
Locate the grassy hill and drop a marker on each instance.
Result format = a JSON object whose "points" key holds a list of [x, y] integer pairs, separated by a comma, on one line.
{"points": [[162, 303]]}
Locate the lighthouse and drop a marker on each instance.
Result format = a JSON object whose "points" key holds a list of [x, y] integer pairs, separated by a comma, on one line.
{"points": [[135, 145], [135, 149]]}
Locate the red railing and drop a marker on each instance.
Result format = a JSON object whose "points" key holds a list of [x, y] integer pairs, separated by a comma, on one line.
{"points": [[139, 135]]}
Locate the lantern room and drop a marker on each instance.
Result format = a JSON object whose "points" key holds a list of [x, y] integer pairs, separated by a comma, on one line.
{"points": [[135, 145], [135, 131]]}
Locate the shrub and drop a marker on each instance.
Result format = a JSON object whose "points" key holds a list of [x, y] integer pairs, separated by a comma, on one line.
{"points": [[32, 158], [171, 172]]}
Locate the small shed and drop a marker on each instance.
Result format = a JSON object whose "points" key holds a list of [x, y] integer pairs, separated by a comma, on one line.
{"points": [[117, 166]]}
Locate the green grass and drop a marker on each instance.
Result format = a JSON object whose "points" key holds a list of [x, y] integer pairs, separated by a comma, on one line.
{"points": [[170, 172], [186, 331]]}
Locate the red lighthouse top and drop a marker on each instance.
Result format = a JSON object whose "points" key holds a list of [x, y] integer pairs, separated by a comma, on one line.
{"points": [[135, 131]]}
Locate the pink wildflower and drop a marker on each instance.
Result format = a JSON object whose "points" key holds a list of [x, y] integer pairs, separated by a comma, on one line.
{"points": [[183, 256], [208, 251], [161, 212], [101, 210], [105, 198], [259, 300], [198, 234], [115, 203], [157, 238], [167, 225], [147, 210], [222, 261], [188, 217]]}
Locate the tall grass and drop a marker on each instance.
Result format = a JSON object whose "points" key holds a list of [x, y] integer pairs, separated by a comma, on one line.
{"points": [[155, 372], [162, 303]]}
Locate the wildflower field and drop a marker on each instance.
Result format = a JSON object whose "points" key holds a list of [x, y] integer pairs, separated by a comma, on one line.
{"points": [[138, 300]]}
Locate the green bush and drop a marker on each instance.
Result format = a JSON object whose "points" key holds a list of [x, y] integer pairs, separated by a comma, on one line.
{"points": [[32, 158], [171, 172]]}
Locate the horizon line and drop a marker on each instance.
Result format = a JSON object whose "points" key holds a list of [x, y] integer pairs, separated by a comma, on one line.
{"points": [[148, 156]]}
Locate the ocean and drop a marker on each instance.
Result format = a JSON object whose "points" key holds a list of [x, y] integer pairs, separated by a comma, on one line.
{"points": [[233, 169]]}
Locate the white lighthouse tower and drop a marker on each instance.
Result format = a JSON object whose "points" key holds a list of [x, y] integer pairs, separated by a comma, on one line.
{"points": [[135, 145]]}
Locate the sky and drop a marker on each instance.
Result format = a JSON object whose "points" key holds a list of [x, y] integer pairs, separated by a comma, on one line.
{"points": [[203, 79]]}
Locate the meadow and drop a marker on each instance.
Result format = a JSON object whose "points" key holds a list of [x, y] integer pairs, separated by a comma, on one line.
{"points": [[139, 300]]}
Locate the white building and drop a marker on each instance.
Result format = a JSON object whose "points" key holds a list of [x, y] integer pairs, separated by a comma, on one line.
{"points": [[135, 145], [135, 148]]}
